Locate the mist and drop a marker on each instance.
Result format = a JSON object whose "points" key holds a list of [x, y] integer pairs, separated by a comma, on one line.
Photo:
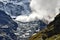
{"points": [[44, 10]]}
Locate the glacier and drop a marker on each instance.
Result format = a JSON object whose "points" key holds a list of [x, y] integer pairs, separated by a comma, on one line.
{"points": [[13, 30], [15, 8], [20, 19]]}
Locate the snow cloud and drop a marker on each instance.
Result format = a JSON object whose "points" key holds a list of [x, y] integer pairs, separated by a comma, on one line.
{"points": [[41, 10]]}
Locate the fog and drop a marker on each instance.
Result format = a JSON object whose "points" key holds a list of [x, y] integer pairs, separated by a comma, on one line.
{"points": [[44, 10]]}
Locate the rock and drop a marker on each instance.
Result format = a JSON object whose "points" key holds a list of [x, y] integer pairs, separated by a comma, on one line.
{"points": [[7, 26], [1, 5]]}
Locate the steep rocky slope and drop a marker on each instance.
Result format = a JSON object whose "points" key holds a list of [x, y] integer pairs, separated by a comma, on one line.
{"points": [[51, 32], [7, 27]]}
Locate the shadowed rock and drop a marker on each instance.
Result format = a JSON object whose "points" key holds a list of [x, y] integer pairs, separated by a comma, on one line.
{"points": [[7, 26]]}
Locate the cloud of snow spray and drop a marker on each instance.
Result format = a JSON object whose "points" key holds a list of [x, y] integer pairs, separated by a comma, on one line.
{"points": [[44, 10]]}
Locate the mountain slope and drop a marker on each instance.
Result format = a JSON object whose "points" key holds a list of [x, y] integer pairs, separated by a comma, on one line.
{"points": [[7, 27], [52, 32], [15, 7]]}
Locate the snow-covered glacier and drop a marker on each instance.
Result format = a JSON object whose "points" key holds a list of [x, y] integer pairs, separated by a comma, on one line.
{"points": [[20, 19], [15, 7], [13, 30]]}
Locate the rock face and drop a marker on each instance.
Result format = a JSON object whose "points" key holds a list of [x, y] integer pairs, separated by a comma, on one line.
{"points": [[51, 32], [7, 27]]}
